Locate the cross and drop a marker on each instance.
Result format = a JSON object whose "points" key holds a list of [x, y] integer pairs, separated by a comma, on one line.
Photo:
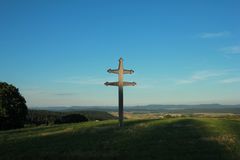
{"points": [[120, 71]]}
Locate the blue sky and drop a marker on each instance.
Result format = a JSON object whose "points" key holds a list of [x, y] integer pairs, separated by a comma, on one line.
{"points": [[183, 52]]}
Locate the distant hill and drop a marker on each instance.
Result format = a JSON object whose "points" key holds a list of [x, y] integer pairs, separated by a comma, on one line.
{"points": [[200, 108]]}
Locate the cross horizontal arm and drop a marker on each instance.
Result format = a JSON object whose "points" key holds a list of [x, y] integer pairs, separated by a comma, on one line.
{"points": [[111, 83], [117, 83], [129, 83], [128, 71], [115, 71]]}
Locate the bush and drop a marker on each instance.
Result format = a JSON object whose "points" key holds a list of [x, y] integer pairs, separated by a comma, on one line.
{"points": [[39, 117], [13, 109], [72, 118]]}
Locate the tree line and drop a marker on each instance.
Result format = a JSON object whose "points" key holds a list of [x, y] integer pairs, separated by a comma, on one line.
{"points": [[14, 112], [38, 117]]}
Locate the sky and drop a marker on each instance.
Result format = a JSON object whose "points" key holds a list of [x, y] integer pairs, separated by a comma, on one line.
{"points": [[57, 52]]}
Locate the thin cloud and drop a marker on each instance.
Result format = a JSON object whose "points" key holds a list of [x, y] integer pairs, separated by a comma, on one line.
{"points": [[184, 81], [214, 34], [231, 80], [232, 49], [65, 94], [47, 92], [82, 81], [202, 75]]}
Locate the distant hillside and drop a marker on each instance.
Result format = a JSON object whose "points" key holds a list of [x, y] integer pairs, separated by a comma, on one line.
{"points": [[49, 117], [200, 108]]}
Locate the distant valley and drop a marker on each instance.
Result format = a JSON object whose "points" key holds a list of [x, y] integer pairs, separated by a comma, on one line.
{"points": [[200, 108]]}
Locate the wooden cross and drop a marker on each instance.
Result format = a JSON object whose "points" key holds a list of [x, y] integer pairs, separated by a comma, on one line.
{"points": [[120, 71]]}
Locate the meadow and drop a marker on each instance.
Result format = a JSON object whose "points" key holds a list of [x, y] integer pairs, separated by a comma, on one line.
{"points": [[181, 138]]}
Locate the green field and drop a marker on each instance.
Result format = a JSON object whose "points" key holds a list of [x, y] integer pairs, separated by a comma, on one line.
{"points": [[173, 139]]}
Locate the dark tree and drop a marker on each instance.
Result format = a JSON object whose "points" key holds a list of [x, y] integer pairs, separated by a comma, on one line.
{"points": [[13, 109]]}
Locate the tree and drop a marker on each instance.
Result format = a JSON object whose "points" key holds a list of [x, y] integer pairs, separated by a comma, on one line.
{"points": [[13, 109]]}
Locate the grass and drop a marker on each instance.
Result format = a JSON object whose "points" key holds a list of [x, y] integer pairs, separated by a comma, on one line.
{"points": [[165, 139]]}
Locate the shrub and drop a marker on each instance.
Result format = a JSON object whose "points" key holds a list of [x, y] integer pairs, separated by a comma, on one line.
{"points": [[71, 118]]}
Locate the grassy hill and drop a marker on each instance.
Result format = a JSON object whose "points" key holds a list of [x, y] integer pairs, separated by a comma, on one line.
{"points": [[166, 139]]}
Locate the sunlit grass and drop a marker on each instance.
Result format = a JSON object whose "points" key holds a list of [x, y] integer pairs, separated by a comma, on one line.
{"points": [[174, 138]]}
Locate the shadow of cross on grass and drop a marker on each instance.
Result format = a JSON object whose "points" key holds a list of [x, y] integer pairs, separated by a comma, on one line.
{"points": [[182, 139], [169, 139]]}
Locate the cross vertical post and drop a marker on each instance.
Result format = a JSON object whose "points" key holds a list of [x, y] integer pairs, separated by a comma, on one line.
{"points": [[120, 104], [120, 71]]}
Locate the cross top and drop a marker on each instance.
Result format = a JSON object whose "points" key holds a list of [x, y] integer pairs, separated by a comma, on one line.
{"points": [[120, 71]]}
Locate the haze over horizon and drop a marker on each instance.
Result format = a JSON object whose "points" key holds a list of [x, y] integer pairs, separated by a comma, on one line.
{"points": [[183, 52]]}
